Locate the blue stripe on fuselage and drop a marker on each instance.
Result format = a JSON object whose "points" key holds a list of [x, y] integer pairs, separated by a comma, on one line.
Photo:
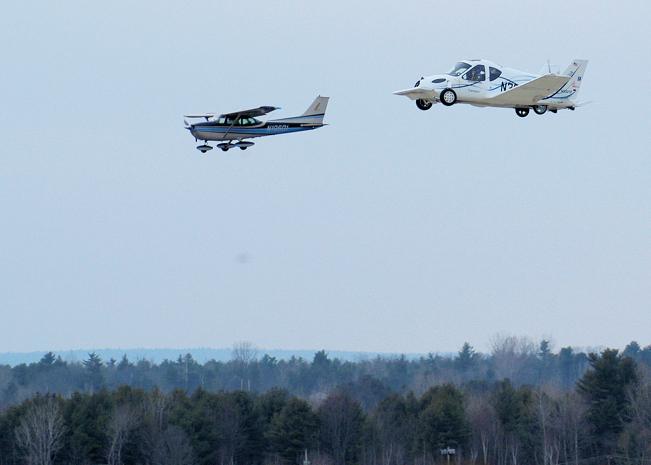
{"points": [[260, 131]]}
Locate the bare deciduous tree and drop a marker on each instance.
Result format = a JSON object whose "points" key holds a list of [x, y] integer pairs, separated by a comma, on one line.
{"points": [[483, 422], [341, 419], [40, 431], [154, 420], [123, 420], [229, 424], [510, 355], [174, 448], [242, 355]]}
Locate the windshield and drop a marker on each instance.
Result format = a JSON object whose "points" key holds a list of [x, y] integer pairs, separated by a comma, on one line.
{"points": [[459, 69]]}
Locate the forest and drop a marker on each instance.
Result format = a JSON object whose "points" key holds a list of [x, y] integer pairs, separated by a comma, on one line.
{"points": [[521, 404]]}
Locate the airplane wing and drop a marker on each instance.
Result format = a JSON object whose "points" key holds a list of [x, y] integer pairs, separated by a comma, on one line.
{"points": [[200, 115], [250, 113], [531, 92], [415, 93]]}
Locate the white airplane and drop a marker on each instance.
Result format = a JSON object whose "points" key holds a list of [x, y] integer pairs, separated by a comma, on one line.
{"points": [[241, 125], [486, 84]]}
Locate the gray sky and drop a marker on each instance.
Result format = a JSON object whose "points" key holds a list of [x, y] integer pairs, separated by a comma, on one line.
{"points": [[391, 229]]}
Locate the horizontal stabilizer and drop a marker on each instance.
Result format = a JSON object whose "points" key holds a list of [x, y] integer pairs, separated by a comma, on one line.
{"points": [[531, 92]]}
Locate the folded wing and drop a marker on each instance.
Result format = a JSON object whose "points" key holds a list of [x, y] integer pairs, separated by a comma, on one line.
{"points": [[531, 92], [416, 93]]}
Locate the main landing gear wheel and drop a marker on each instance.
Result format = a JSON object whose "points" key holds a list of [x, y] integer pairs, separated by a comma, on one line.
{"points": [[540, 109], [522, 112], [423, 104], [448, 97]]}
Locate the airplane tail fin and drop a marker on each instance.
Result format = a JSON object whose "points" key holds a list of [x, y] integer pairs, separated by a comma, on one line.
{"points": [[576, 70], [313, 115], [318, 107]]}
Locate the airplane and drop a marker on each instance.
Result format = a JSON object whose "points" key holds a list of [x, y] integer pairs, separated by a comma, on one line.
{"points": [[483, 83], [241, 125]]}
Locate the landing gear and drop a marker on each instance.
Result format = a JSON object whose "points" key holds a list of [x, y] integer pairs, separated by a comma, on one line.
{"points": [[522, 112], [448, 97], [540, 109], [204, 148], [242, 145], [423, 104]]}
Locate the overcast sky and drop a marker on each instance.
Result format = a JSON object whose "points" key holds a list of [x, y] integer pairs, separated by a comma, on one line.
{"points": [[391, 229]]}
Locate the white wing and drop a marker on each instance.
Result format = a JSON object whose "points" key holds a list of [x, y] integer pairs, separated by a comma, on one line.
{"points": [[416, 93], [531, 92]]}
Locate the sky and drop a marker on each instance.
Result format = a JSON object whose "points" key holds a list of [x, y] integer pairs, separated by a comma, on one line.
{"points": [[389, 230]]}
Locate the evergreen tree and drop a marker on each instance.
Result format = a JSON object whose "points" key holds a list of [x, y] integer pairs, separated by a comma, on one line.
{"points": [[292, 430], [442, 421], [465, 357], [93, 366], [605, 387], [48, 359]]}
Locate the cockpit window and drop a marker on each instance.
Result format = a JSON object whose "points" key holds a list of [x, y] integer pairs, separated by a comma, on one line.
{"points": [[459, 69], [494, 73], [246, 121], [478, 73], [242, 121]]}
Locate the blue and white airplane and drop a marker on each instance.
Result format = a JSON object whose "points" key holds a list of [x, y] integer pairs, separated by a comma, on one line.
{"points": [[485, 84], [231, 129]]}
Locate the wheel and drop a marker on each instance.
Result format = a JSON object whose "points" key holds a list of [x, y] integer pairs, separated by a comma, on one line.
{"points": [[448, 97], [540, 109], [243, 148], [224, 149], [522, 112], [423, 104]]}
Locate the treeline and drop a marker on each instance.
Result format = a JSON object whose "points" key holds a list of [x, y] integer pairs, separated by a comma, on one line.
{"points": [[604, 419], [518, 359]]}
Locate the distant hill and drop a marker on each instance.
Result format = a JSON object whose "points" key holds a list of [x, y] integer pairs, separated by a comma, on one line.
{"points": [[201, 355]]}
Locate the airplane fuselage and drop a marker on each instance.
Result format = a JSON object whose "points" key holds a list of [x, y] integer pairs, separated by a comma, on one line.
{"points": [[479, 93], [213, 131]]}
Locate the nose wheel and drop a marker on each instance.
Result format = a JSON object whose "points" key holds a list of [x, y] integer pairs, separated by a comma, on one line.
{"points": [[423, 104], [204, 148]]}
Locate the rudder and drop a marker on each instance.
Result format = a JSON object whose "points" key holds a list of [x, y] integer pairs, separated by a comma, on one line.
{"points": [[318, 107], [576, 70]]}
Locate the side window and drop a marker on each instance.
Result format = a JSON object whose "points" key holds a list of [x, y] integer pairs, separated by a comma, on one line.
{"points": [[494, 73], [478, 73]]}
